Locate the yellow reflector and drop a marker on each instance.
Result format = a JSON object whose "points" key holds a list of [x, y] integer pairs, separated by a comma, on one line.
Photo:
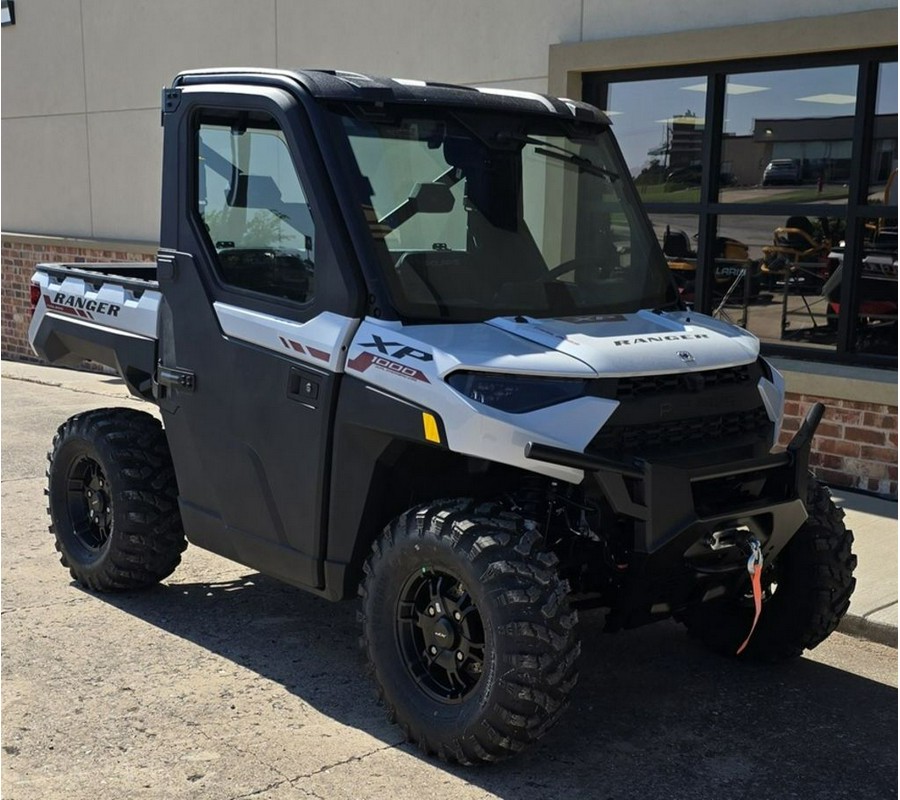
{"points": [[431, 428]]}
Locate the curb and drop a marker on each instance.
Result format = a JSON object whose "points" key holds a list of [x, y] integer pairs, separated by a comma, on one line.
{"points": [[869, 630]]}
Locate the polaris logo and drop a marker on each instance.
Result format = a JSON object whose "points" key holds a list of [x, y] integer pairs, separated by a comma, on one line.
{"points": [[83, 304], [669, 337]]}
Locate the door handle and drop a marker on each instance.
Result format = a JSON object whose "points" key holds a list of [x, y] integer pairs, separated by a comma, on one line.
{"points": [[303, 387]]}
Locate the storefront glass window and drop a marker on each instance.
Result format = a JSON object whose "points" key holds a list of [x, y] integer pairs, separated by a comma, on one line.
{"points": [[774, 230], [876, 293], [779, 269], [787, 135], [883, 178], [659, 126]]}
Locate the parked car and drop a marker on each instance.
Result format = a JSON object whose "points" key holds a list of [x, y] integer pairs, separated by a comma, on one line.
{"points": [[781, 170]]}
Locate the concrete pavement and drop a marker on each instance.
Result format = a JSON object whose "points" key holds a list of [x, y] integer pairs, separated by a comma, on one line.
{"points": [[873, 609], [221, 684]]}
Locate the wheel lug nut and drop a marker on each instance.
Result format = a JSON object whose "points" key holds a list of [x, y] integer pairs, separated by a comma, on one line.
{"points": [[432, 650], [459, 655], [457, 616], [430, 611]]}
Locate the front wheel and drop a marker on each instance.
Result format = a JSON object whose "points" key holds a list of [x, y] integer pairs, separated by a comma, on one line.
{"points": [[806, 591], [113, 500], [468, 630]]}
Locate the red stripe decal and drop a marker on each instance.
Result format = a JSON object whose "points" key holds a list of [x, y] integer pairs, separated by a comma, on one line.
{"points": [[320, 354], [290, 344], [61, 309]]}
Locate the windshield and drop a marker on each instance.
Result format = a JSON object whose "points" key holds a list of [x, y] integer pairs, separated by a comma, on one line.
{"points": [[475, 216]]}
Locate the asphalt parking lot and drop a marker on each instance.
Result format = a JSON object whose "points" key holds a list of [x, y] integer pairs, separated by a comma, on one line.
{"points": [[224, 684]]}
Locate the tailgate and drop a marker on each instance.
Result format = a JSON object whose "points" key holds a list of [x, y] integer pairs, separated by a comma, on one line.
{"points": [[86, 312]]}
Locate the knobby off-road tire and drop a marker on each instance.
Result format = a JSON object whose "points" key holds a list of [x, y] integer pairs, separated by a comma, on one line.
{"points": [[806, 591], [113, 500], [468, 630]]}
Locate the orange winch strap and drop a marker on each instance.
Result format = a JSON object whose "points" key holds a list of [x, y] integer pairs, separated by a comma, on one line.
{"points": [[755, 567]]}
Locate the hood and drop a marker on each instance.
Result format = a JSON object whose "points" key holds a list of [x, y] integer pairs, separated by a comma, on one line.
{"points": [[646, 342]]}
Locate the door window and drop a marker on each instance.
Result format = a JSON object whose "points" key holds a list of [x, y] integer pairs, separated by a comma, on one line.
{"points": [[253, 207]]}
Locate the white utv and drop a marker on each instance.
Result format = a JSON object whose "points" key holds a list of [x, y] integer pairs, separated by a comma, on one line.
{"points": [[418, 342]]}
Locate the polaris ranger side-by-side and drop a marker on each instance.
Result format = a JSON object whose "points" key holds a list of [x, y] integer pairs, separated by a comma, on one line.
{"points": [[418, 342]]}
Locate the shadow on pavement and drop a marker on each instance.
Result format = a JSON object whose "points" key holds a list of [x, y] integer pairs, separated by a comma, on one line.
{"points": [[654, 715]]}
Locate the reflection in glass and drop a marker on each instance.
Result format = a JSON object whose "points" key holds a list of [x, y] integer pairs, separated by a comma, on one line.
{"points": [[883, 186], [787, 135], [659, 126], [876, 296], [788, 262]]}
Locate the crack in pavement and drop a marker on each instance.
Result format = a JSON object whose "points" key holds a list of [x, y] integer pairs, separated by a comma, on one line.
{"points": [[71, 601], [258, 792], [284, 779], [292, 782], [57, 385], [349, 760], [24, 478]]}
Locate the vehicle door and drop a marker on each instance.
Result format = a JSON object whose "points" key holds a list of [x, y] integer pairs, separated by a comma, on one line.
{"points": [[256, 319]]}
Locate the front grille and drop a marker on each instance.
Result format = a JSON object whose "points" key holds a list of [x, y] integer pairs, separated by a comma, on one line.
{"points": [[684, 435], [651, 385]]}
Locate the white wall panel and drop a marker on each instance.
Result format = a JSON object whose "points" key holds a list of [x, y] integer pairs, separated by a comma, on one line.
{"points": [[466, 41], [45, 176], [133, 49], [42, 65], [126, 170]]}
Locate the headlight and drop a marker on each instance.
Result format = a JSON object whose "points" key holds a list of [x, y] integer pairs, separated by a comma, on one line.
{"points": [[516, 394]]}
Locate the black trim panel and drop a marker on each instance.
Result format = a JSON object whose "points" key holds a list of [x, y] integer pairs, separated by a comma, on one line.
{"points": [[66, 343]]}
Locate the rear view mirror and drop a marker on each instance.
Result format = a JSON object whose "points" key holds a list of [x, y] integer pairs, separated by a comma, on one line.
{"points": [[425, 198], [431, 198]]}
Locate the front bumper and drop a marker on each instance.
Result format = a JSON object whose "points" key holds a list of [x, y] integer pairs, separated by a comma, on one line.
{"points": [[679, 511]]}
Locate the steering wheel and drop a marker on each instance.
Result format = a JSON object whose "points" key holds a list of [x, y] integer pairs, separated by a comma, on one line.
{"points": [[576, 264]]}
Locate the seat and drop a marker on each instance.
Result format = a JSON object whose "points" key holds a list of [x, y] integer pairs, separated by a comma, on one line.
{"points": [[677, 244], [793, 244]]}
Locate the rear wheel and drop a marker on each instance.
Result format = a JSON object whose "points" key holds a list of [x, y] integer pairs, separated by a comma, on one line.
{"points": [[468, 631], [806, 592], [113, 500]]}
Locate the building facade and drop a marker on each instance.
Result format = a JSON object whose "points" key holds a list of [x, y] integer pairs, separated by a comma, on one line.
{"points": [[763, 139]]}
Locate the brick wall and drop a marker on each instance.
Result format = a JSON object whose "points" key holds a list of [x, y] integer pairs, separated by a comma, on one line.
{"points": [[21, 253], [856, 443]]}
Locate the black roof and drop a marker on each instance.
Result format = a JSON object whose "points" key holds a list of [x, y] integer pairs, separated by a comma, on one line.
{"points": [[355, 87]]}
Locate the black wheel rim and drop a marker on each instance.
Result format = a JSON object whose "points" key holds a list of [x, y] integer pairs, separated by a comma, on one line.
{"points": [[440, 635], [89, 504]]}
